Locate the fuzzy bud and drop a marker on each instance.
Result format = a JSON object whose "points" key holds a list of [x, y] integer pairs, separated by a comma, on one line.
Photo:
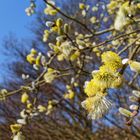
{"points": [[49, 23], [136, 93], [66, 28], [59, 22], [125, 112], [134, 107], [133, 99]]}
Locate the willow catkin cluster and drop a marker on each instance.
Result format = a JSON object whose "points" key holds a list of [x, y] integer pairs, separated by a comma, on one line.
{"points": [[106, 77]]}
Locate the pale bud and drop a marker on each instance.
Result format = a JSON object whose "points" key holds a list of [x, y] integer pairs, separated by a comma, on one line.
{"points": [[19, 136], [83, 13], [24, 77], [50, 53], [43, 60], [125, 112], [94, 72], [61, 38], [23, 114], [80, 47], [66, 28], [86, 82], [22, 121], [133, 99], [136, 93], [124, 61], [134, 107], [72, 80], [49, 24], [35, 67]]}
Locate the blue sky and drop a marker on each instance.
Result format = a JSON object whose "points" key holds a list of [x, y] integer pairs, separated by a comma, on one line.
{"points": [[13, 18]]}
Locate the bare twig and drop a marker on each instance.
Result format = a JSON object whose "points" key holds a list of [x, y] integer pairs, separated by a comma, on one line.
{"points": [[71, 18]]}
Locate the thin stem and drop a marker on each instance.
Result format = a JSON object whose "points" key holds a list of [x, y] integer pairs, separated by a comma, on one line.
{"points": [[71, 18], [115, 38]]}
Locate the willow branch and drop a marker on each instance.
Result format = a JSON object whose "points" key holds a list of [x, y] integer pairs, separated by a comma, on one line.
{"points": [[130, 57], [71, 18], [109, 40], [127, 47]]}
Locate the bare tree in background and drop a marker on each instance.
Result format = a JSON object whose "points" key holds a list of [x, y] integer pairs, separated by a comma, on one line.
{"points": [[92, 29]]}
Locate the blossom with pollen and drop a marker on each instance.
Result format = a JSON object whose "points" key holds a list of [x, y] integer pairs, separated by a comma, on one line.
{"points": [[104, 79], [92, 88], [97, 106], [112, 60]]}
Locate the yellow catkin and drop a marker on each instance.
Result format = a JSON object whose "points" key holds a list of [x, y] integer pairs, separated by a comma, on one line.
{"points": [[15, 127], [24, 97]]}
